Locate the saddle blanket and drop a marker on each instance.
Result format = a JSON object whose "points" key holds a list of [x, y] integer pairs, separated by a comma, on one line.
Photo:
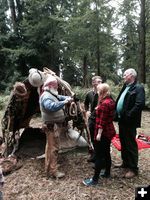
{"points": [[143, 142]]}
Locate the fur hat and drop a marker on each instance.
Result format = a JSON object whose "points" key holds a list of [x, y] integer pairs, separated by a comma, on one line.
{"points": [[36, 77]]}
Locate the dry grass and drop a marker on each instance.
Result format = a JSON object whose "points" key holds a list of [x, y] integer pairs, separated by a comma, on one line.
{"points": [[30, 183]]}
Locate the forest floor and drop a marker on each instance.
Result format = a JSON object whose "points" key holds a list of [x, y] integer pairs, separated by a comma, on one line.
{"points": [[30, 183]]}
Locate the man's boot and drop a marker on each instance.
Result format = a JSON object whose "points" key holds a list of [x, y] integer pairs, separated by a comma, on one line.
{"points": [[58, 174]]}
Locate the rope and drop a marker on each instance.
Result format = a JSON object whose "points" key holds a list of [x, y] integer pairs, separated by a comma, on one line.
{"points": [[73, 109]]}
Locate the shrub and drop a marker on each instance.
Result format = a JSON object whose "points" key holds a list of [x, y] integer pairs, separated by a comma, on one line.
{"points": [[115, 89], [81, 92], [3, 101]]}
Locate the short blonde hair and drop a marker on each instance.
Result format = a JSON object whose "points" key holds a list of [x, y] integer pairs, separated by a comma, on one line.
{"points": [[103, 90]]}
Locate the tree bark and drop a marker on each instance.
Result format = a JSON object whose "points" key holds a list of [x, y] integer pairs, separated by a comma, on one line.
{"points": [[19, 6], [142, 54], [98, 39], [13, 14], [85, 71]]}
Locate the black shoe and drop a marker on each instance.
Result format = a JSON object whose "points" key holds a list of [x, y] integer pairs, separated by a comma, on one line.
{"points": [[92, 159], [105, 175]]}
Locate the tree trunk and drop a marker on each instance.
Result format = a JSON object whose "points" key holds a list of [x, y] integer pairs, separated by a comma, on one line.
{"points": [[13, 14], [85, 71], [142, 33], [98, 56], [19, 6], [97, 38]]}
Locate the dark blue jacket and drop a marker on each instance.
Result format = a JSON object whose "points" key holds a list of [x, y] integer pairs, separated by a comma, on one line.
{"points": [[133, 105]]}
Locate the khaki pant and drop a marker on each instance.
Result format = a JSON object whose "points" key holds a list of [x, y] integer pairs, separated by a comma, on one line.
{"points": [[52, 132]]}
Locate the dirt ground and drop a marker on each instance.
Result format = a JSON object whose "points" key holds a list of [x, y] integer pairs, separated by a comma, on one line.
{"points": [[30, 183]]}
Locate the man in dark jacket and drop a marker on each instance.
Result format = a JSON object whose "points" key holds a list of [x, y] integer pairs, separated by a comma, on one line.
{"points": [[129, 106], [90, 95], [90, 103]]}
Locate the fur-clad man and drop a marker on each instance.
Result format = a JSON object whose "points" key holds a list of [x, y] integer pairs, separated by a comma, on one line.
{"points": [[51, 106]]}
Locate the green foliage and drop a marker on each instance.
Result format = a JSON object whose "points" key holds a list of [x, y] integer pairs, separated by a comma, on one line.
{"points": [[3, 101], [129, 34], [115, 89], [81, 92], [89, 34], [6, 86], [74, 36]]}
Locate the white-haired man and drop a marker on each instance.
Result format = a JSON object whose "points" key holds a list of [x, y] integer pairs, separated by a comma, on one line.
{"points": [[129, 106], [51, 106]]}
